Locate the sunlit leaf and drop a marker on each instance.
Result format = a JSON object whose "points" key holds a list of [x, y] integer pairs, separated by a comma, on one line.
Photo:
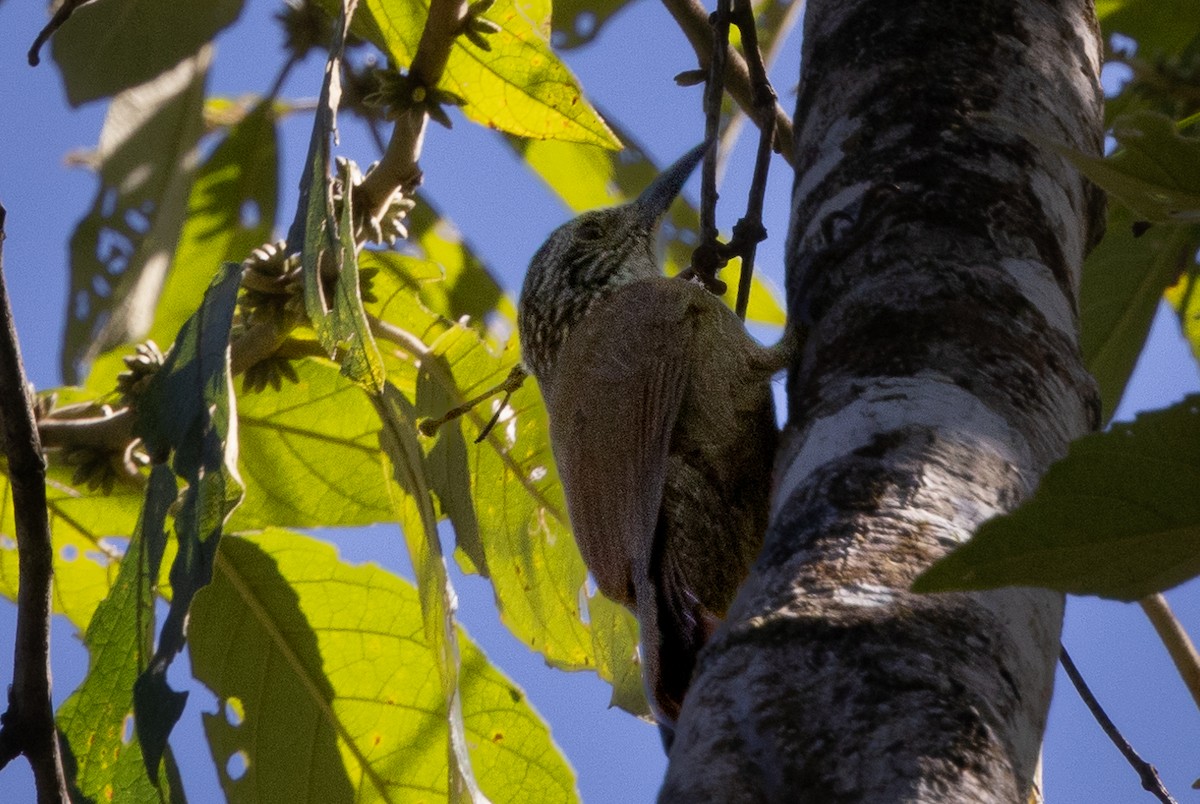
{"points": [[96, 721], [84, 528], [353, 688], [1118, 517], [309, 454], [517, 529], [519, 86], [467, 287], [121, 250], [398, 440], [1184, 297], [1123, 280], [110, 45]]}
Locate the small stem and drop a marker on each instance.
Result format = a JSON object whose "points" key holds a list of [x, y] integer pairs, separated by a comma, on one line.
{"points": [[398, 169], [1149, 776], [1176, 640]]}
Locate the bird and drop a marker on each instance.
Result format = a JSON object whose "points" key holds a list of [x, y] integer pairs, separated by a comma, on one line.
{"points": [[662, 426]]}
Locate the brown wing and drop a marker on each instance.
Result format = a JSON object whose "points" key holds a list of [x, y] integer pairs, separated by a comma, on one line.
{"points": [[618, 385]]}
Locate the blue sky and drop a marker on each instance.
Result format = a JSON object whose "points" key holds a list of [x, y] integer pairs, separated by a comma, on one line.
{"points": [[477, 179]]}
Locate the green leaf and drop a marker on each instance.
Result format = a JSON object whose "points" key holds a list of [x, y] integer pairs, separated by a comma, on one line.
{"points": [[349, 330], [519, 86], [309, 454], [351, 686], [1119, 517], [93, 721], [398, 440], [110, 45], [230, 211], [518, 522], [1155, 171], [466, 286], [1183, 297], [503, 496], [1123, 280], [82, 524], [188, 412], [1159, 26], [121, 250], [586, 177], [341, 324]]}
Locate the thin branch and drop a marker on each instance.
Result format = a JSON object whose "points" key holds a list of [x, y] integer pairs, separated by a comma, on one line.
{"points": [[692, 19], [398, 169], [737, 120], [1178, 644], [707, 258], [28, 725], [749, 231], [1149, 776]]}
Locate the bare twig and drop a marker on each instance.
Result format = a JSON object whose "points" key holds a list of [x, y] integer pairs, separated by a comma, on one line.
{"points": [[692, 19], [737, 120], [1149, 776], [511, 383], [1179, 645], [28, 725], [749, 231], [60, 17], [707, 258]]}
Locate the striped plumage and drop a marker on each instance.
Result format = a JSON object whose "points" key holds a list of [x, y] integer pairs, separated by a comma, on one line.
{"points": [[662, 425]]}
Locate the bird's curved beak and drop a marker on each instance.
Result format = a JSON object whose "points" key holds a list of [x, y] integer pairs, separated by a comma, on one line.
{"points": [[656, 199]]}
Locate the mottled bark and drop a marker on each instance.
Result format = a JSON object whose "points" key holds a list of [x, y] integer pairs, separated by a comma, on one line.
{"points": [[934, 254]]}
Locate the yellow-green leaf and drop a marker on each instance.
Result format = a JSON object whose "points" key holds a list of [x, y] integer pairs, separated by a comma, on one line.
{"points": [[352, 687], [519, 86]]}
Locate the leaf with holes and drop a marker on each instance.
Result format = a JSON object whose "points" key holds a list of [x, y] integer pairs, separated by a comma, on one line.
{"points": [[96, 720], [121, 250], [109, 46], [352, 686], [230, 210], [1119, 517]]}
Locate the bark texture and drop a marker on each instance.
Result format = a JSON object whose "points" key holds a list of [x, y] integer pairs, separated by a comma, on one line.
{"points": [[934, 253]]}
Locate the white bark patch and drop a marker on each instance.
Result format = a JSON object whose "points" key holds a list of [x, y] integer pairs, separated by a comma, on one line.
{"points": [[1038, 287], [926, 399], [831, 153]]}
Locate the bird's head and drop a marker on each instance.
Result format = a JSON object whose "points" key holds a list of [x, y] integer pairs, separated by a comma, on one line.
{"points": [[589, 257]]}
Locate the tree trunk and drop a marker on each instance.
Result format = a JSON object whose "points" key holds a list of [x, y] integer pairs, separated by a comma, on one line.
{"points": [[934, 255]]}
